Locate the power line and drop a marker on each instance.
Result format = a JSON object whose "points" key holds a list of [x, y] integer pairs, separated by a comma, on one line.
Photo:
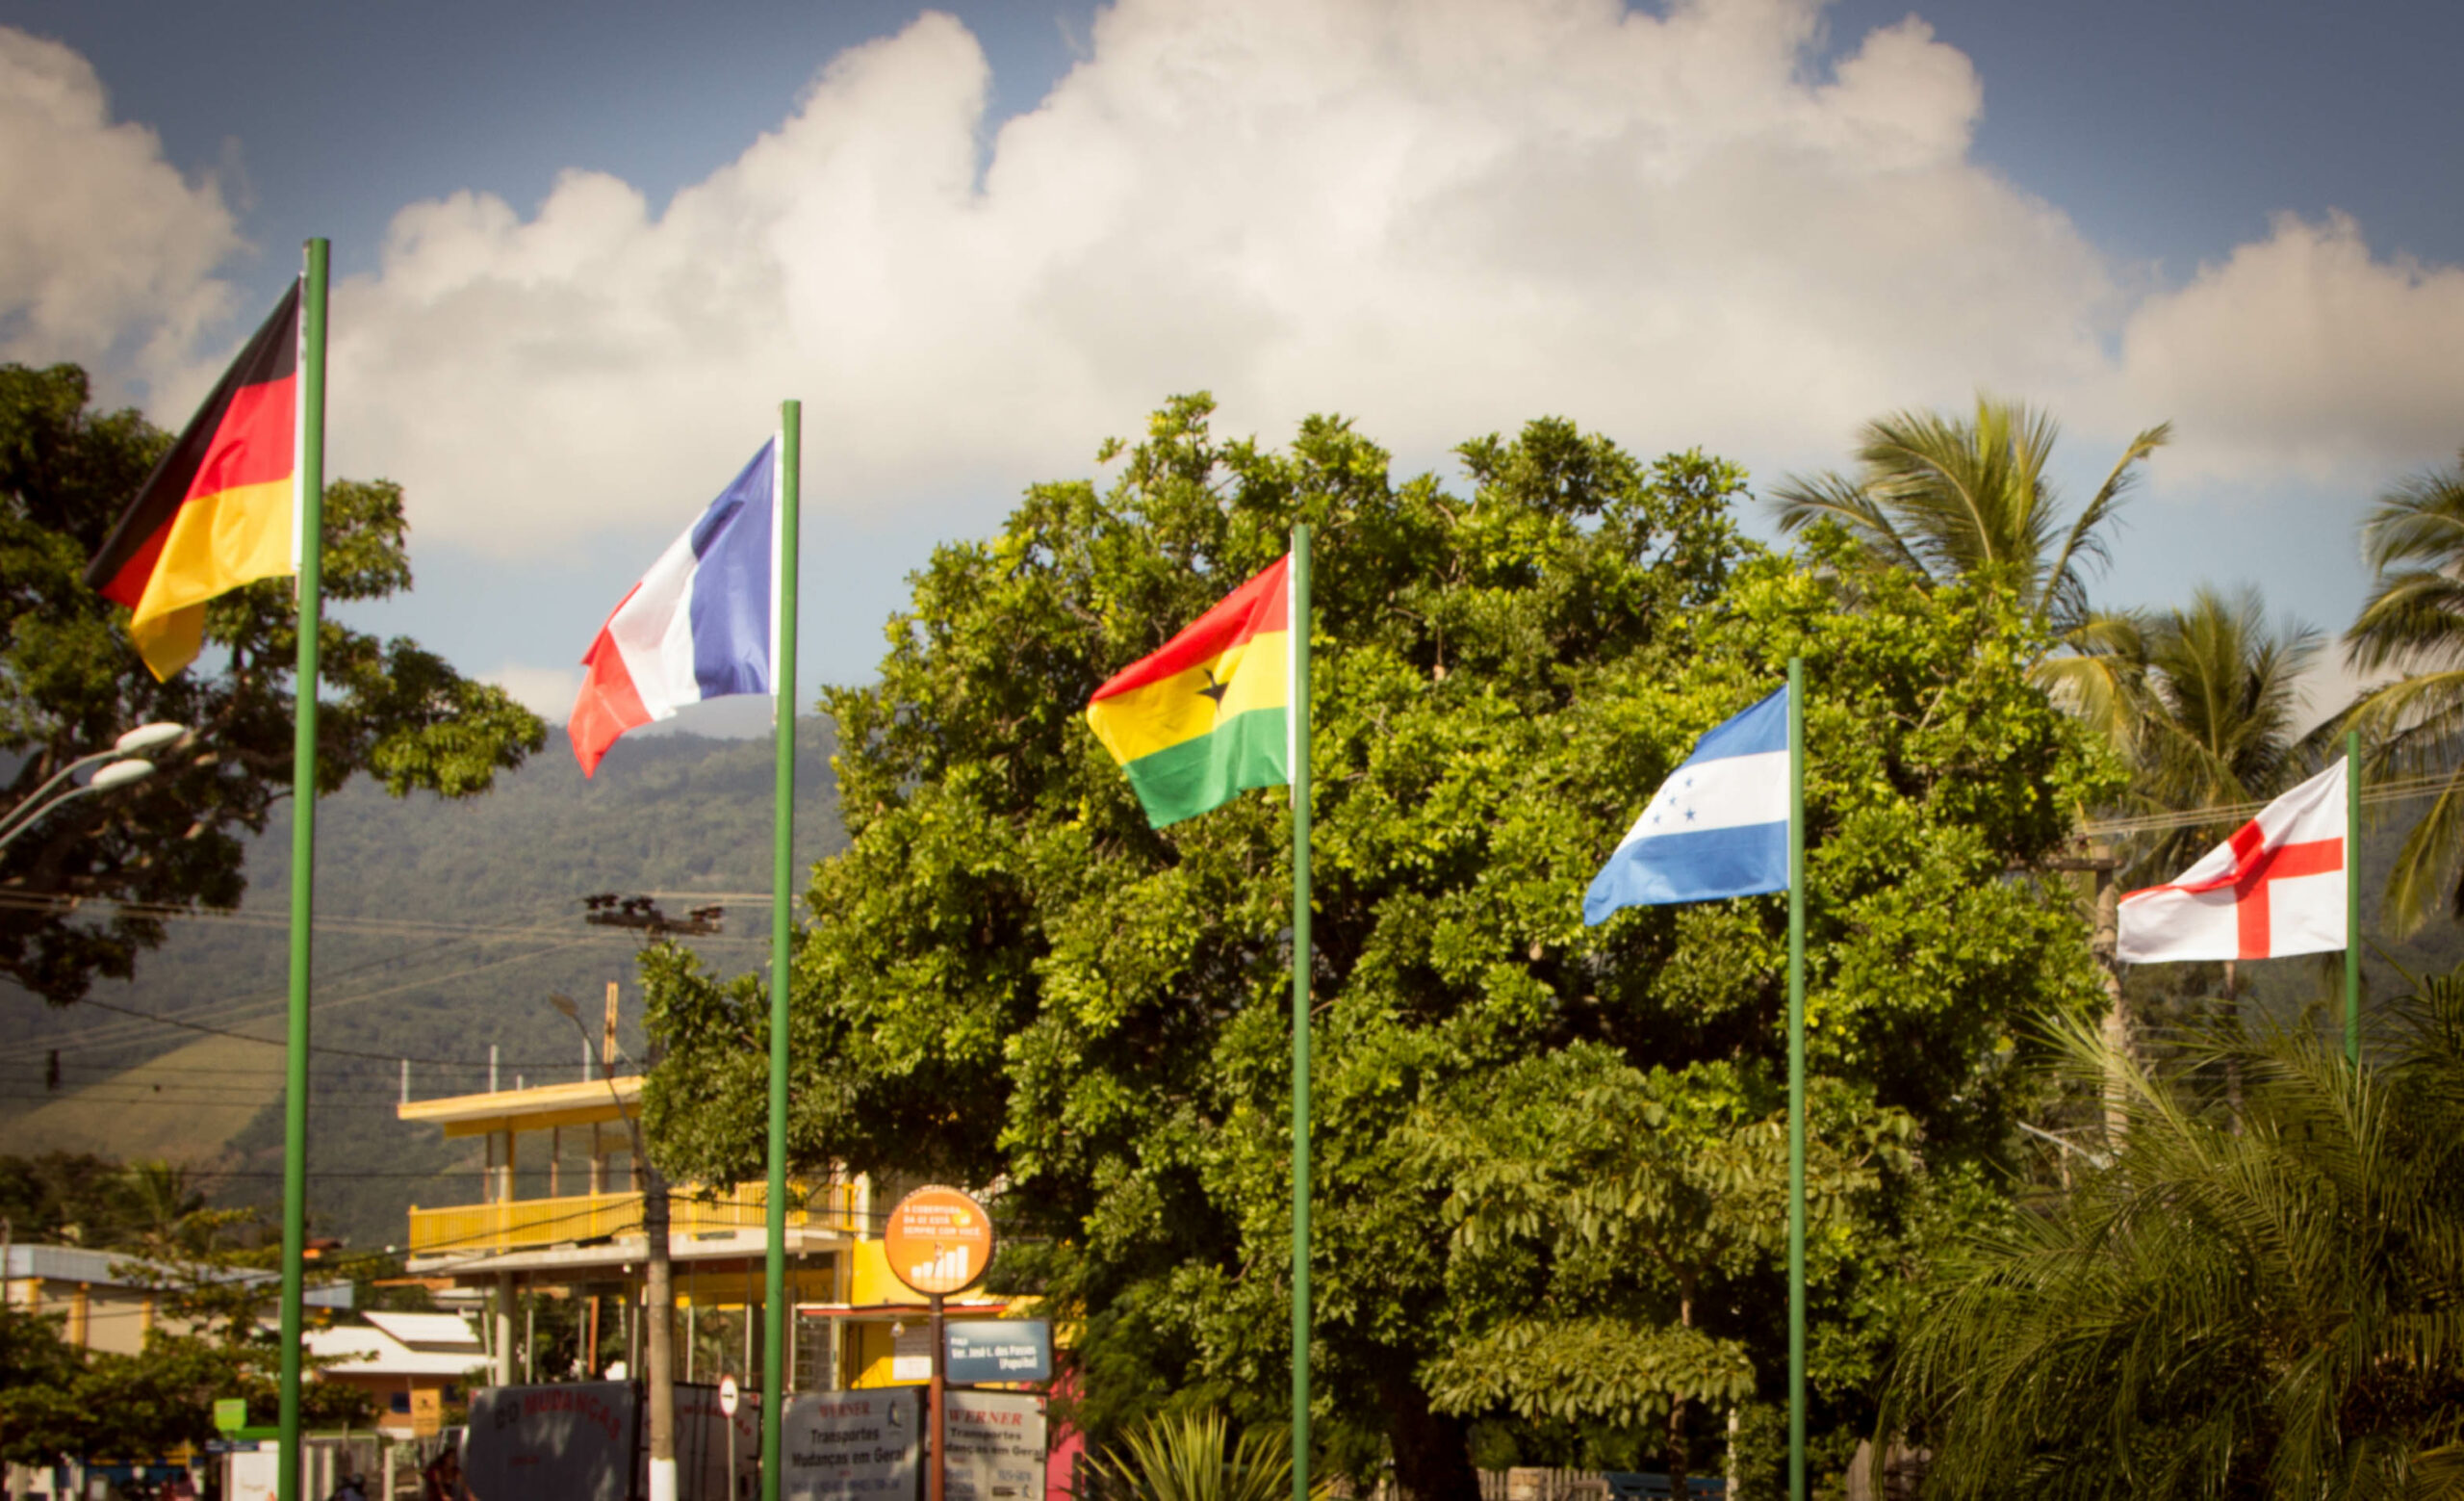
{"points": [[75, 1041], [66, 902], [2393, 791]]}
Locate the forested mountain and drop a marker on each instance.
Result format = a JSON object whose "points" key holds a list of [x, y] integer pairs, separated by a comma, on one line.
{"points": [[443, 927]]}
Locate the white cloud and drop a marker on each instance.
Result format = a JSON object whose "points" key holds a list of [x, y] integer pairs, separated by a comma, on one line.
{"points": [[1441, 217], [107, 255], [2302, 352]]}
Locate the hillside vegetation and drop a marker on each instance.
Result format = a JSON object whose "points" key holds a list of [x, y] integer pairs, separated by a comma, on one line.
{"points": [[443, 927]]}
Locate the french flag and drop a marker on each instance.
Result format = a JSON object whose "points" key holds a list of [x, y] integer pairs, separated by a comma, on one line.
{"points": [[702, 623]]}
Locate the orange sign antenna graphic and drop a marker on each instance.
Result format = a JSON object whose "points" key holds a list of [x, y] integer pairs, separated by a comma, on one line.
{"points": [[939, 1240]]}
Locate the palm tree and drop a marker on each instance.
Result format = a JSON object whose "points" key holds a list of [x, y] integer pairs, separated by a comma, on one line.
{"points": [[2221, 1313], [2413, 623], [168, 1219], [2215, 702], [1953, 499]]}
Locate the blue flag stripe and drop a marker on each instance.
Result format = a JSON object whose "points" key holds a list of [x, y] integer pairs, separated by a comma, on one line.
{"points": [[1757, 730], [1676, 868], [1718, 826]]}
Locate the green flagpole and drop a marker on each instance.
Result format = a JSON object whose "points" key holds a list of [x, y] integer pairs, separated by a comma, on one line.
{"points": [[303, 855], [1299, 719], [1797, 1078], [774, 1306], [2353, 897]]}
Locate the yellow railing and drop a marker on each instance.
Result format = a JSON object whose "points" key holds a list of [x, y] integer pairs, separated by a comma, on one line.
{"points": [[525, 1224]]}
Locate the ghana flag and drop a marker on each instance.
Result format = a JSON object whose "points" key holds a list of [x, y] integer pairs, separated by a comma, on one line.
{"points": [[221, 509], [1206, 717]]}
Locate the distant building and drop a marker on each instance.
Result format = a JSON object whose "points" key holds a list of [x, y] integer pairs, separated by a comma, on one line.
{"points": [[109, 1300], [395, 1355], [855, 1325]]}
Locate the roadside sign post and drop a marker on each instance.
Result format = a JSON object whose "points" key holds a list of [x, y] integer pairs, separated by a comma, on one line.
{"points": [[939, 1241], [728, 1400]]}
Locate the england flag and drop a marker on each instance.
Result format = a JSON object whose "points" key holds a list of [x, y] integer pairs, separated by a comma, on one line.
{"points": [[2275, 887]]}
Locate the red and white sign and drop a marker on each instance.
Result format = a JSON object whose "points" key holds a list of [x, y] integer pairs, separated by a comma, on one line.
{"points": [[726, 1395], [2275, 887]]}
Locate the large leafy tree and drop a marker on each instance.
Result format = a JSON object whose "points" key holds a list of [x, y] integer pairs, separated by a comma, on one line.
{"points": [[70, 683], [2413, 624], [1012, 979], [2251, 1306]]}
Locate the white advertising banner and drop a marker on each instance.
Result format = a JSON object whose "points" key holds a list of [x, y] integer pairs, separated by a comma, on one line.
{"points": [[852, 1445], [996, 1446]]}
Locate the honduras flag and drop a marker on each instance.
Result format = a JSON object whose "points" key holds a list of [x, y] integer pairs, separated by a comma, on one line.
{"points": [[701, 624], [1717, 827]]}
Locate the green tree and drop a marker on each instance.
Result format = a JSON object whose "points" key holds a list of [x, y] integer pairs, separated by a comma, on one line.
{"points": [[2413, 624], [2261, 1307], [1610, 1223], [70, 682], [1947, 499], [1015, 980], [2215, 719]]}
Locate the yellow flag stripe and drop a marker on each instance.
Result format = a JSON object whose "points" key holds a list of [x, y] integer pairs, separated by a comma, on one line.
{"points": [[218, 542], [1159, 716]]}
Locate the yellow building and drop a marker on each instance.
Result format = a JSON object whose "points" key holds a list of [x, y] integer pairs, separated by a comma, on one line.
{"points": [[855, 1325]]}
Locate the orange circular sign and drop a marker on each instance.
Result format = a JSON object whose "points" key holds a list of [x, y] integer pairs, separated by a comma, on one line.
{"points": [[939, 1240]]}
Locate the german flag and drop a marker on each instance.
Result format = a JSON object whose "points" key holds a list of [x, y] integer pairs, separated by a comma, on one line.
{"points": [[1208, 714], [221, 509]]}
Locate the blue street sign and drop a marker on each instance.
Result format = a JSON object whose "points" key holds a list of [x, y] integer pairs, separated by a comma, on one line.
{"points": [[999, 1350]]}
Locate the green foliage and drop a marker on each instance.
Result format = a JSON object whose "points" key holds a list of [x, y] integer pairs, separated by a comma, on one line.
{"points": [[149, 1207], [2261, 1307], [1014, 980], [70, 683], [59, 1402], [215, 1301], [2414, 622], [1949, 500], [1609, 1221], [1193, 1457]]}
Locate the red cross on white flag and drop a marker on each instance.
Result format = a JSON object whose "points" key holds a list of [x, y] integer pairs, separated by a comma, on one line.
{"points": [[2275, 887]]}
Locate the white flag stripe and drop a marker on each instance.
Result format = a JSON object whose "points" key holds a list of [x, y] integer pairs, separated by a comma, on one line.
{"points": [[1722, 794], [2290, 902]]}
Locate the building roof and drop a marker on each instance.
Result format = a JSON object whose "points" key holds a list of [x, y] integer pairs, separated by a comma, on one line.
{"points": [[120, 1269], [581, 1102], [435, 1334], [369, 1350]]}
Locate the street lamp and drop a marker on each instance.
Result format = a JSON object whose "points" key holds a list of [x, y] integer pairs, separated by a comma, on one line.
{"points": [[128, 765], [660, 1284]]}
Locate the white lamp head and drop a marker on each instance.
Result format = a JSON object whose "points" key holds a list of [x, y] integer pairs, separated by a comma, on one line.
{"points": [[149, 737], [121, 773]]}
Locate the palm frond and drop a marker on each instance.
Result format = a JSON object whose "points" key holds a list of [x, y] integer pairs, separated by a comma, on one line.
{"points": [[2085, 542], [1801, 501]]}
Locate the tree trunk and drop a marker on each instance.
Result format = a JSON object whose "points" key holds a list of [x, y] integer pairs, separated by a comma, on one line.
{"points": [[1432, 1458], [1677, 1410], [1677, 1447], [2233, 1064], [2106, 943], [660, 1295]]}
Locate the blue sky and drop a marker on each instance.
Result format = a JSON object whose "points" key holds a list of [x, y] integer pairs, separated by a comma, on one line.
{"points": [[977, 249]]}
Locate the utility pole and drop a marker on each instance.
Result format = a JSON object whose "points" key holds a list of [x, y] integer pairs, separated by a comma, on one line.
{"points": [[658, 1281], [2105, 941], [607, 1035]]}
